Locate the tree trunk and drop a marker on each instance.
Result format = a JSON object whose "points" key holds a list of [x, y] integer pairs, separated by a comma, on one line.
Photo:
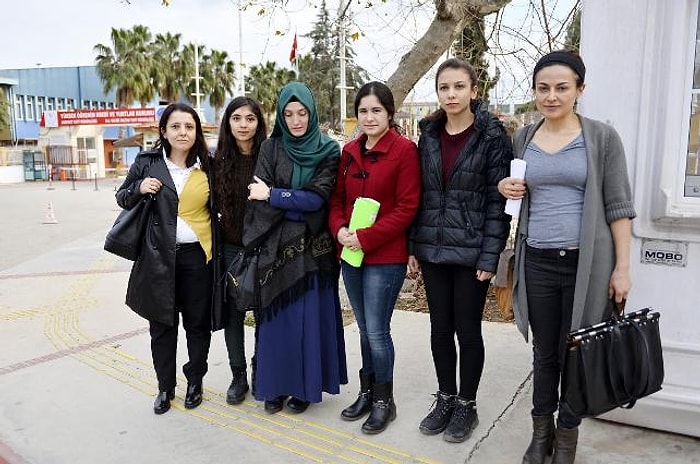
{"points": [[450, 19]]}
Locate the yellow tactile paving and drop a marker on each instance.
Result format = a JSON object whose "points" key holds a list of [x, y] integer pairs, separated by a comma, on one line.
{"points": [[312, 441]]}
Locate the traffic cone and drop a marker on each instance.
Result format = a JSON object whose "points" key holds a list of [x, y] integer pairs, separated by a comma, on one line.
{"points": [[49, 216], [50, 187]]}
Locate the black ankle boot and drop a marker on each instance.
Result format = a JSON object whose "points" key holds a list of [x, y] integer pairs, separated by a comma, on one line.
{"points": [[542, 440], [439, 416], [239, 386], [565, 441], [383, 408], [363, 403]]}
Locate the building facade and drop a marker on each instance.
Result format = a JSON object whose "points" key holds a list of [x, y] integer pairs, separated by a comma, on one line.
{"points": [[648, 87], [30, 150]]}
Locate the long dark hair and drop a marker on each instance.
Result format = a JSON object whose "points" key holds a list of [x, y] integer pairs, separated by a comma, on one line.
{"points": [[199, 150], [228, 153], [453, 63]]}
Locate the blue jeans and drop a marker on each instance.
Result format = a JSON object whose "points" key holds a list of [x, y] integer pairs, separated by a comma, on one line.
{"points": [[373, 289]]}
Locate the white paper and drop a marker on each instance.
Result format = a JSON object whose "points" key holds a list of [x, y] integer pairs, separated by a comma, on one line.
{"points": [[517, 170]]}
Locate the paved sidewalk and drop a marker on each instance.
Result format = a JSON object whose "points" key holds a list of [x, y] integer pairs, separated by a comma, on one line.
{"points": [[78, 386]]}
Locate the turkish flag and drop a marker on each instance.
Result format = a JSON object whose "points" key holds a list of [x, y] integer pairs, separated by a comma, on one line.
{"points": [[293, 53]]}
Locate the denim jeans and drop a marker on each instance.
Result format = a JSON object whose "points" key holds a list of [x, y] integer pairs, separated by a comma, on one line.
{"points": [[550, 278], [372, 290]]}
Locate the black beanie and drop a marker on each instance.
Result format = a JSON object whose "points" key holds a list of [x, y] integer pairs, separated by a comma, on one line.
{"points": [[564, 57]]}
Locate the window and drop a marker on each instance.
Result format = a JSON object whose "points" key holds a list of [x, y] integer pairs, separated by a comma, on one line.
{"points": [[692, 165], [60, 103], [19, 107], [70, 103], [29, 108], [40, 106], [85, 104], [86, 150], [50, 103]]}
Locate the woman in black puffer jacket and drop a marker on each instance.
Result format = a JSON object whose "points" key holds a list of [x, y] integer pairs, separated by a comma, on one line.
{"points": [[457, 237]]}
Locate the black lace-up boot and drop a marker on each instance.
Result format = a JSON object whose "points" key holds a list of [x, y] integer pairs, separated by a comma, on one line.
{"points": [[463, 421], [437, 419], [238, 388]]}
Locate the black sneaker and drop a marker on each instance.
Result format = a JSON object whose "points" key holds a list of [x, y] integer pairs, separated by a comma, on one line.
{"points": [[436, 421], [238, 388], [464, 420]]}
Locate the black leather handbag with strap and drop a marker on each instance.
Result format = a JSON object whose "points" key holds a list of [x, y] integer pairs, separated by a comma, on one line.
{"points": [[613, 364]]}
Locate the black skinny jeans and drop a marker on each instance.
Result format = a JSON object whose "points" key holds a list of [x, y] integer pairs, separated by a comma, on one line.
{"points": [[193, 300], [456, 302], [550, 278], [234, 329]]}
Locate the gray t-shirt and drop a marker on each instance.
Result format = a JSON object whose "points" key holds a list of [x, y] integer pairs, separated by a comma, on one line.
{"points": [[556, 184]]}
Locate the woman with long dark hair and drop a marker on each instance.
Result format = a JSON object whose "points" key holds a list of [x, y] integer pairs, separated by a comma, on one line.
{"points": [[457, 238], [172, 275], [241, 133]]}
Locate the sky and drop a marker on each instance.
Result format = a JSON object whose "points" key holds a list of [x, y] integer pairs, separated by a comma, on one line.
{"points": [[51, 33]]}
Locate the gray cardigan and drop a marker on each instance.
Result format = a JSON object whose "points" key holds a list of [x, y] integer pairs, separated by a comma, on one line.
{"points": [[607, 198]]}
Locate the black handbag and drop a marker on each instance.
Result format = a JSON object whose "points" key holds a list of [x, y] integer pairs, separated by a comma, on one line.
{"points": [[242, 283], [127, 233], [613, 364]]}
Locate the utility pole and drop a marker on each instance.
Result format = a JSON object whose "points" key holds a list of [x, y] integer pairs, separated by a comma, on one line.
{"points": [[343, 82], [196, 78], [240, 91]]}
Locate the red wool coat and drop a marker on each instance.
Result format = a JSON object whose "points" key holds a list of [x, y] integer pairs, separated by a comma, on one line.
{"points": [[390, 174]]}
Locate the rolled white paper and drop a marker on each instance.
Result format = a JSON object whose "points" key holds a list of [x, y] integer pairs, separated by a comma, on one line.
{"points": [[517, 170]]}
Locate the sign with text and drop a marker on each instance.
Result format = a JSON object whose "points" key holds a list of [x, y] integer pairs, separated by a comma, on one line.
{"points": [[668, 252], [118, 116]]}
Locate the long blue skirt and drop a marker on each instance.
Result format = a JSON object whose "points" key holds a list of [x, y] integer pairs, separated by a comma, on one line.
{"points": [[301, 351]]}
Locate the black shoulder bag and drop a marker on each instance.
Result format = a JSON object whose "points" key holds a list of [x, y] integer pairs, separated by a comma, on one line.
{"points": [[613, 364], [129, 230]]}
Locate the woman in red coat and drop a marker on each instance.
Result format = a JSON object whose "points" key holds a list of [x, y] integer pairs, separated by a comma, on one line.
{"points": [[382, 165]]}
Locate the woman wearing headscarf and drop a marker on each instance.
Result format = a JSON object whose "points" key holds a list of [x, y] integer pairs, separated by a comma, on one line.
{"points": [[300, 348]]}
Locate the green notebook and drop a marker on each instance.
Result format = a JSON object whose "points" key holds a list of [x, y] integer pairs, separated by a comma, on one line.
{"points": [[364, 213]]}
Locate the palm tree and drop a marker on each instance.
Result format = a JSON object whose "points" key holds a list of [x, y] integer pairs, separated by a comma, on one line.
{"points": [[125, 66], [219, 77], [265, 82], [166, 72]]}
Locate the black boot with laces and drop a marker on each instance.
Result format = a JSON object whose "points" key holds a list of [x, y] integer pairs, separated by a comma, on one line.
{"points": [[436, 421], [238, 388], [464, 420]]}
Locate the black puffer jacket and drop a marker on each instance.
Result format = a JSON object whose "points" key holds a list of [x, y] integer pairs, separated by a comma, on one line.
{"points": [[463, 222]]}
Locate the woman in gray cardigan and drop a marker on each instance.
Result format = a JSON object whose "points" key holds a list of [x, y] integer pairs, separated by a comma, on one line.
{"points": [[572, 246]]}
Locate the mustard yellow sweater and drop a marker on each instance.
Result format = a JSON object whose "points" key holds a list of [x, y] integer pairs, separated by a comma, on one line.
{"points": [[193, 208]]}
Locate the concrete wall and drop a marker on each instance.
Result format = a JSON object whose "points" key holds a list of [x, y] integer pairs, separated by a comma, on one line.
{"points": [[639, 67]]}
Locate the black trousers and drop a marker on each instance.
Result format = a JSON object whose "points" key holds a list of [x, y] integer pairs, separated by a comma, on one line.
{"points": [[193, 300], [550, 278], [456, 302], [234, 328]]}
